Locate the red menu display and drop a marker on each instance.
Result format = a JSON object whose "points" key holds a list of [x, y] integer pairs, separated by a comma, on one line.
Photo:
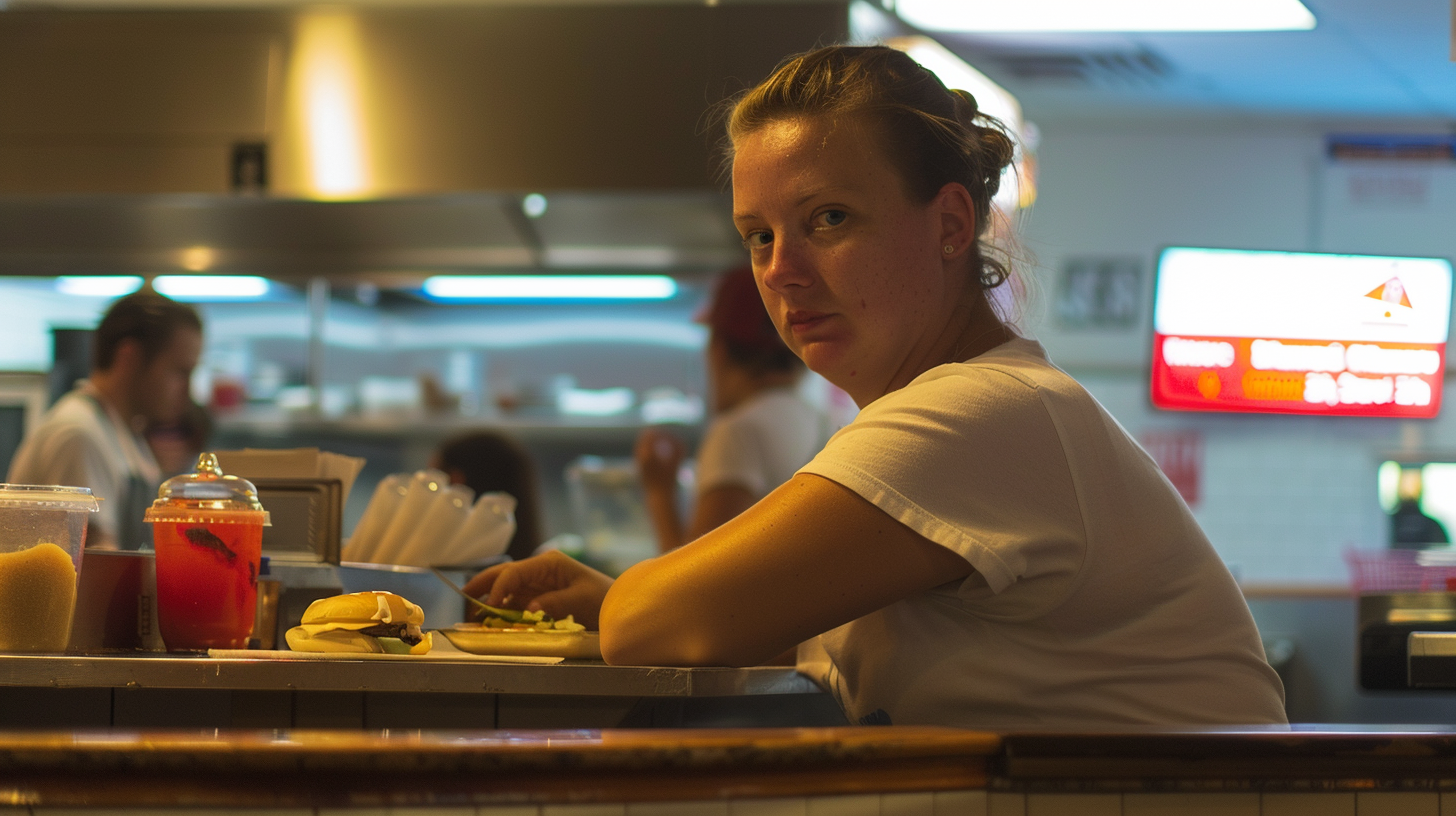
{"points": [[1300, 333]]}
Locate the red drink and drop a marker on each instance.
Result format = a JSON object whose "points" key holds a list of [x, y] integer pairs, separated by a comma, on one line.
{"points": [[208, 531], [207, 583]]}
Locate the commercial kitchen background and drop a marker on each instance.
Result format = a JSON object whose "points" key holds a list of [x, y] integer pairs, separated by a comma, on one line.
{"points": [[1282, 498]]}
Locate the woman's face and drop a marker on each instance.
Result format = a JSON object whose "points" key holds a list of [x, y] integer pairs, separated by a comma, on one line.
{"points": [[852, 270]]}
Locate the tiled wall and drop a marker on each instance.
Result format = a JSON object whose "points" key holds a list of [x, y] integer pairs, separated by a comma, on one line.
{"points": [[955, 803], [1282, 496]]}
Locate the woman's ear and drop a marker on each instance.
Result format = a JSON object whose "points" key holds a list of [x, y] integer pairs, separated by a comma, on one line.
{"points": [[957, 215]]}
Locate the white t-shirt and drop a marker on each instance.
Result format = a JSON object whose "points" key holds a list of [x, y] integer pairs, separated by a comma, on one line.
{"points": [[759, 444], [78, 443], [1096, 600]]}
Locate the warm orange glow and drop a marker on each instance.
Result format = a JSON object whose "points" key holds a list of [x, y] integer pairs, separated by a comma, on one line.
{"points": [[327, 95], [198, 258]]}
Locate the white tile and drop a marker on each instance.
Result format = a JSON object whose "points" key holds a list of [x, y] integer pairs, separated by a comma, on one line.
{"points": [[789, 806], [961, 803], [1074, 804], [609, 809], [907, 804], [1190, 804], [864, 804], [1309, 804], [1414, 803], [715, 807]]}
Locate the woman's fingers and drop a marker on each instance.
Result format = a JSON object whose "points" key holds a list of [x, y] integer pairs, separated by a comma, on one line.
{"points": [[482, 582], [658, 454], [551, 582]]}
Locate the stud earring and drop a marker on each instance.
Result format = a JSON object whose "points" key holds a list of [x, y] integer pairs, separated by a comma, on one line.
{"points": [[949, 249]]}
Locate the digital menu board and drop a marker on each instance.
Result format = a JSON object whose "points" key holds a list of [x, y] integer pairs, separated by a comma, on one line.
{"points": [[1300, 333]]}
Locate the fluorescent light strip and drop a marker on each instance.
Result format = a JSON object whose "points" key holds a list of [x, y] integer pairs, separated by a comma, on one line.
{"points": [[550, 287], [211, 287], [1111, 15], [99, 285]]}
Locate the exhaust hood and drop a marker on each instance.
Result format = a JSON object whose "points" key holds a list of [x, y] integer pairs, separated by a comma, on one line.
{"points": [[384, 240], [382, 101], [377, 140]]}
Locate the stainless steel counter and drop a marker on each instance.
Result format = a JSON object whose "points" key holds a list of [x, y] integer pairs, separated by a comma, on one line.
{"points": [[137, 690], [573, 677]]}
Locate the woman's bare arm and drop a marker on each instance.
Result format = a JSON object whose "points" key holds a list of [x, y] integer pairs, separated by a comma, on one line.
{"points": [[810, 556]]}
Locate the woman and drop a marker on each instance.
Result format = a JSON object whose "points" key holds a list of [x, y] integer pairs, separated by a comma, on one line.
{"points": [[983, 546], [762, 430]]}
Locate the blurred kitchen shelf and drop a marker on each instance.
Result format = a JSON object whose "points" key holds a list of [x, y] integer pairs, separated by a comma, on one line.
{"points": [[262, 424]]}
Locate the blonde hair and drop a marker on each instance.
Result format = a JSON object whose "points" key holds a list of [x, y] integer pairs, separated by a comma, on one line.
{"points": [[933, 135]]}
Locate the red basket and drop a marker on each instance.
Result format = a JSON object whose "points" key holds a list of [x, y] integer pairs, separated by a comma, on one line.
{"points": [[1397, 571]]}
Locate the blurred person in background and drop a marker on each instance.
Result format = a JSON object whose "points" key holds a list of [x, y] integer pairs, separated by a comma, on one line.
{"points": [[762, 430], [1410, 527], [143, 353], [177, 444], [490, 462]]}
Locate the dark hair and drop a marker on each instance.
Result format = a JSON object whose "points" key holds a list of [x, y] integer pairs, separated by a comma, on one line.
{"points": [[932, 134], [491, 462], [146, 317], [740, 322]]}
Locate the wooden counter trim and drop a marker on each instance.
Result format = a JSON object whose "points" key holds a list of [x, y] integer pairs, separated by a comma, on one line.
{"points": [[1323, 760], [353, 769]]}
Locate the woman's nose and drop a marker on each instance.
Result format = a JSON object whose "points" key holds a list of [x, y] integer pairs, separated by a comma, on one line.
{"points": [[786, 267]]}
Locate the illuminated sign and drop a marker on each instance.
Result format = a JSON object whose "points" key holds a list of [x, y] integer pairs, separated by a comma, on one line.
{"points": [[1300, 333]]}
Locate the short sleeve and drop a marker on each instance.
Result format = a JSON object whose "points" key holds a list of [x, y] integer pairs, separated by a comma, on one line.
{"points": [[730, 456], [71, 457], [971, 460]]}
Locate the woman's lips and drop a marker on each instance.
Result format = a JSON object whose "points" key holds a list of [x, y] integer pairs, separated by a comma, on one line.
{"points": [[802, 322]]}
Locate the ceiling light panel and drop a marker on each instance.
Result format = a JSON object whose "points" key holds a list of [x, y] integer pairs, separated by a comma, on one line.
{"points": [[1111, 15]]}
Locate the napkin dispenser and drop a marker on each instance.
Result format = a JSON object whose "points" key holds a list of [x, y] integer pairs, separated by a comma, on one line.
{"points": [[308, 519]]}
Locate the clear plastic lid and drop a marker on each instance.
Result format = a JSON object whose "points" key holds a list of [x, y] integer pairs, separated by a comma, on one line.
{"points": [[53, 497], [207, 495]]}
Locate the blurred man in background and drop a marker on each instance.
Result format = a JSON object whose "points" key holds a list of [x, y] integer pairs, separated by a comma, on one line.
{"points": [[142, 360]]}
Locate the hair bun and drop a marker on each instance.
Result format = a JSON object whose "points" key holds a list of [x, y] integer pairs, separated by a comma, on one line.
{"points": [[967, 109]]}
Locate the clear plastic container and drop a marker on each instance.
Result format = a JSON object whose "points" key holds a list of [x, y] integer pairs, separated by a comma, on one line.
{"points": [[207, 528], [42, 532], [610, 512]]}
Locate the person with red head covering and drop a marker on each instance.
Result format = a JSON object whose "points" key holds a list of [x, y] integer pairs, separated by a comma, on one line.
{"points": [[762, 430]]}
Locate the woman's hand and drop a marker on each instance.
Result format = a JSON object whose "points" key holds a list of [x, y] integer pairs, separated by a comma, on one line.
{"points": [[659, 456], [552, 582]]}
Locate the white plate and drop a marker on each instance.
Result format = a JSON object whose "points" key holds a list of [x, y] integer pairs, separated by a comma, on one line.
{"points": [[477, 639]]}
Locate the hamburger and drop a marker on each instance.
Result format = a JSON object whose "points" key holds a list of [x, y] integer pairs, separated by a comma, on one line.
{"points": [[361, 622]]}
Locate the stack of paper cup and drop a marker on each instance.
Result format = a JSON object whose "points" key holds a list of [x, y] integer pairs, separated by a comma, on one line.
{"points": [[382, 506], [424, 488], [444, 517], [421, 520], [486, 532]]}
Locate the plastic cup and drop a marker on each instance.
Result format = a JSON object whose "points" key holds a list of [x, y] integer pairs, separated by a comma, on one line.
{"points": [[207, 529], [42, 531]]}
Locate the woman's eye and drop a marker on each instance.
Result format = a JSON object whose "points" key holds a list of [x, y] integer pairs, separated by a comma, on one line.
{"points": [[757, 238], [832, 218]]}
